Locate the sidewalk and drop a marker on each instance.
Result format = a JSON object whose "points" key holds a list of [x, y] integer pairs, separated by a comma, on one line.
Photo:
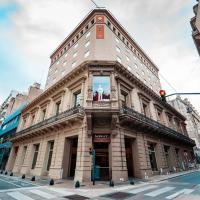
{"points": [[137, 182]]}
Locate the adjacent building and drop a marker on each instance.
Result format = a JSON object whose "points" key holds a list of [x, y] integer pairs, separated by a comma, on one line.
{"points": [[102, 94], [192, 118], [195, 24], [11, 114]]}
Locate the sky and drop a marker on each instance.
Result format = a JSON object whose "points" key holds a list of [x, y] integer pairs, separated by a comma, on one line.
{"points": [[30, 30]]}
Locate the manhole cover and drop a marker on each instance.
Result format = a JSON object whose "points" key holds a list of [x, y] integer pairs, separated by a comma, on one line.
{"points": [[119, 195], [76, 197]]}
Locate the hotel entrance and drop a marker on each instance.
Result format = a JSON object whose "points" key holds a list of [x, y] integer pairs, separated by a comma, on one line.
{"points": [[101, 146]]}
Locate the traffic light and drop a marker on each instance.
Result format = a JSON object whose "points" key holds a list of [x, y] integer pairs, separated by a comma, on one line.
{"points": [[163, 95]]}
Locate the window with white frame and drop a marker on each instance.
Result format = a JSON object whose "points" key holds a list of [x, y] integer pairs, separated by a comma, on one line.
{"points": [[117, 40], [76, 45], [57, 63], [118, 49], [73, 64], [119, 59], [87, 53], [64, 63], [88, 34], [127, 58], [87, 43], [75, 54], [66, 55]]}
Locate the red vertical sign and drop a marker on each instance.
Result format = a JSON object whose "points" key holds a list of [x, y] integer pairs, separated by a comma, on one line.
{"points": [[100, 27]]}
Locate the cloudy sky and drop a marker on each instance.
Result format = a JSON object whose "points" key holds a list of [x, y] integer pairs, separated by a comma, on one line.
{"points": [[31, 29]]}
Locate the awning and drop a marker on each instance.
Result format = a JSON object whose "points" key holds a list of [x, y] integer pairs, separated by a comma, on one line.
{"points": [[6, 145]]}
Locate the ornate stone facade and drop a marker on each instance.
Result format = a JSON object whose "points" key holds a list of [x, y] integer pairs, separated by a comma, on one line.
{"points": [[100, 104]]}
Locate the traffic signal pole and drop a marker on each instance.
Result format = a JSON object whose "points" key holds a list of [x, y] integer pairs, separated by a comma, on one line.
{"points": [[193, 93]]}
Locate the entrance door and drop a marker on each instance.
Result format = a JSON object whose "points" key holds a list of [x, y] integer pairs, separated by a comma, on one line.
{"points": [[129, 156], [73, 154], [102, 160]]}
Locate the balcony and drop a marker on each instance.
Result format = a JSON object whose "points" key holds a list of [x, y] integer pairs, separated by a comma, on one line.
{"points": [[139, 121], [55, 122]]}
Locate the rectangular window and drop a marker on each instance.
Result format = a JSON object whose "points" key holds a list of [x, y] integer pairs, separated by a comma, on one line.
{"points": [[101, 88], [77, 99], [87, 43], [36, 147], [76, 45], [50, 153], [118, 49], [43, 114], [152, 156], [73, 64], [58, 107], [124, 97], [88, 34], [87, 54], [119, 59]]}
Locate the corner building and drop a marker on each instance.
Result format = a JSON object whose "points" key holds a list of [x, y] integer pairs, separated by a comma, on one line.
{"points": [[101, 93]]}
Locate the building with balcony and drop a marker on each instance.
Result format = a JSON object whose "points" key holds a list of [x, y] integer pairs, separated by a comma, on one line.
{"points": [[192, 117], [7, 131], [101, 93], [195, 24], [10, 116]]}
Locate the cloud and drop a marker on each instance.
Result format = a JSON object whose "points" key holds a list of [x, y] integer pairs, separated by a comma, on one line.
{"points": [[161, 27]]}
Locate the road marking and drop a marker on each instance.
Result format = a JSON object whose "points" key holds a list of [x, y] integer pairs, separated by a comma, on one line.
{"points": [[19, 189], [184, 191], [159, 191], [19, 196], [61, 191], [135, 191], [43, 194], [123, 187], [10, 183]]}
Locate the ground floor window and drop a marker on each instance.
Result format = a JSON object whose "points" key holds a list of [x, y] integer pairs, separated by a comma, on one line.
{"points": [[152, 156], [36, 150], [50, 153]]}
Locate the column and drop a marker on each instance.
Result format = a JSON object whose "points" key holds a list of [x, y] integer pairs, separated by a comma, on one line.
{"points": [[152, 109], [50, 108], [83, 160], [89, 92], [41, 159], [17, 165], [11, 160], [25, 169], [55, 170], [114, 92], [135, 101], [82, 93], [161, 158], [119, 166], [141, 157], [38, 115]]}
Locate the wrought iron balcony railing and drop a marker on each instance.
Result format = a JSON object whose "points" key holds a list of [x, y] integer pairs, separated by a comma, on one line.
{"points": [[158, 127], [51, 120]]}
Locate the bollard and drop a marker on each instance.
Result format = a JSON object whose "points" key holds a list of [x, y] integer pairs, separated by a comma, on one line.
{"points": [[77, 184], [51, 182], [6, 172], [132, 182], [111, 183], [23, 176], [1, 172], [33, 178], [11, 174]]}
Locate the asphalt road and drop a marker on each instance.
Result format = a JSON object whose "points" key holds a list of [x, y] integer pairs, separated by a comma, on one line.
{"points": [[13, 188], [169, 189]]}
